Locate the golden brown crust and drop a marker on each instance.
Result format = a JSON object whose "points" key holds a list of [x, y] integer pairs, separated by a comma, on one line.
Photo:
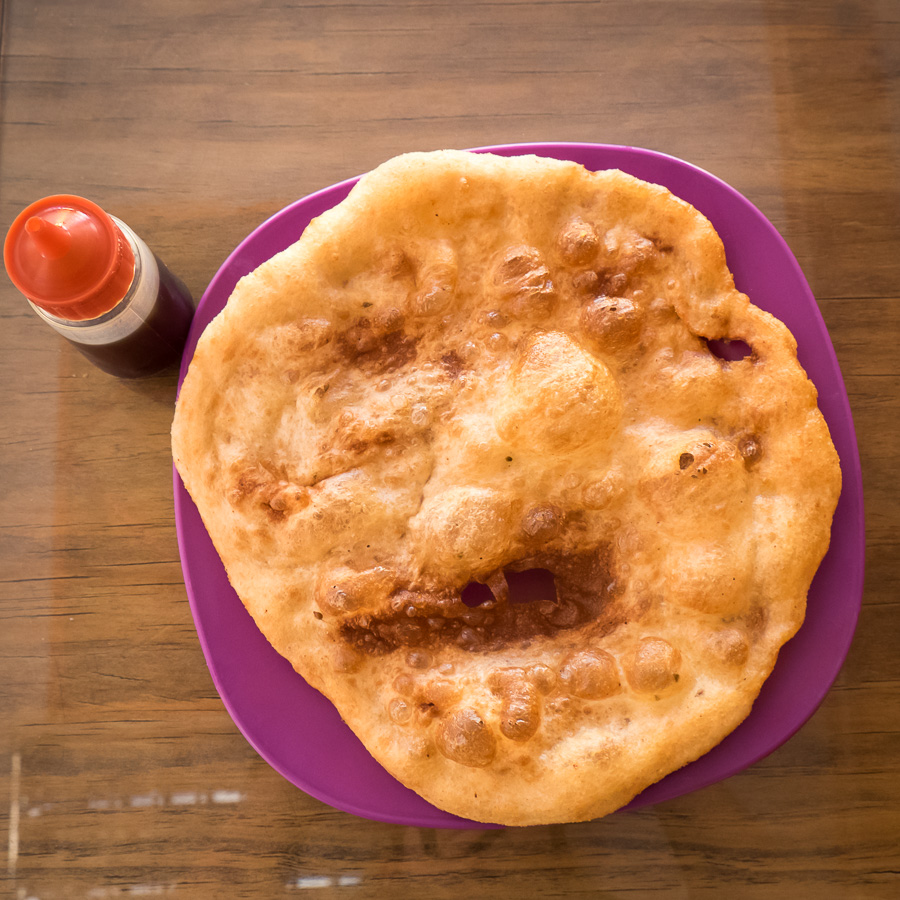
{"points": [[476, 366]]}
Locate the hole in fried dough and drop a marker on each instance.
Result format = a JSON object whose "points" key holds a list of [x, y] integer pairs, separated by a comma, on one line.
{"points": [[530, 586], [729, 351]]}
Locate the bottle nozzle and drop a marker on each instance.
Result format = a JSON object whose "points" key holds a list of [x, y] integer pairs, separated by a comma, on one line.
{"points": [[52, 240]]}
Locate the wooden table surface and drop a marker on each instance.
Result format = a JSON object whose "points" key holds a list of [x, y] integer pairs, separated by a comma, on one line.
{"points": [[121, 773]]}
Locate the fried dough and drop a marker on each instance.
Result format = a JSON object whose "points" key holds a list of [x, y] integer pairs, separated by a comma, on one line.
{"points": [[476, 366]]}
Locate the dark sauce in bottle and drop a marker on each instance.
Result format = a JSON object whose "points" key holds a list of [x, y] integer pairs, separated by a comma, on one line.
{"points": [[158, 343]]}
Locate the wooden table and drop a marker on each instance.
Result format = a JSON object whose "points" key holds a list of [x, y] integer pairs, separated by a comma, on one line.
{"points": [[121, 774]]}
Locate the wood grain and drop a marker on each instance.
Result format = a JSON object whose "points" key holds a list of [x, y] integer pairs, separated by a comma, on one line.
{"points": [[121, 774]]}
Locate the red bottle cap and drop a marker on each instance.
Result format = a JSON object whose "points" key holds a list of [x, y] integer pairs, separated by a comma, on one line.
{"points": [[68, 257]]}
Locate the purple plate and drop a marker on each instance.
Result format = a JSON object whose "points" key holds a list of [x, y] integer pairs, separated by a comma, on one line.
{"points": [[300, 734]]}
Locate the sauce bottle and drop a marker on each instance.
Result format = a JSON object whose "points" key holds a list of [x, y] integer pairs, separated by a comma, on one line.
{"points": [[95, 282]]}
